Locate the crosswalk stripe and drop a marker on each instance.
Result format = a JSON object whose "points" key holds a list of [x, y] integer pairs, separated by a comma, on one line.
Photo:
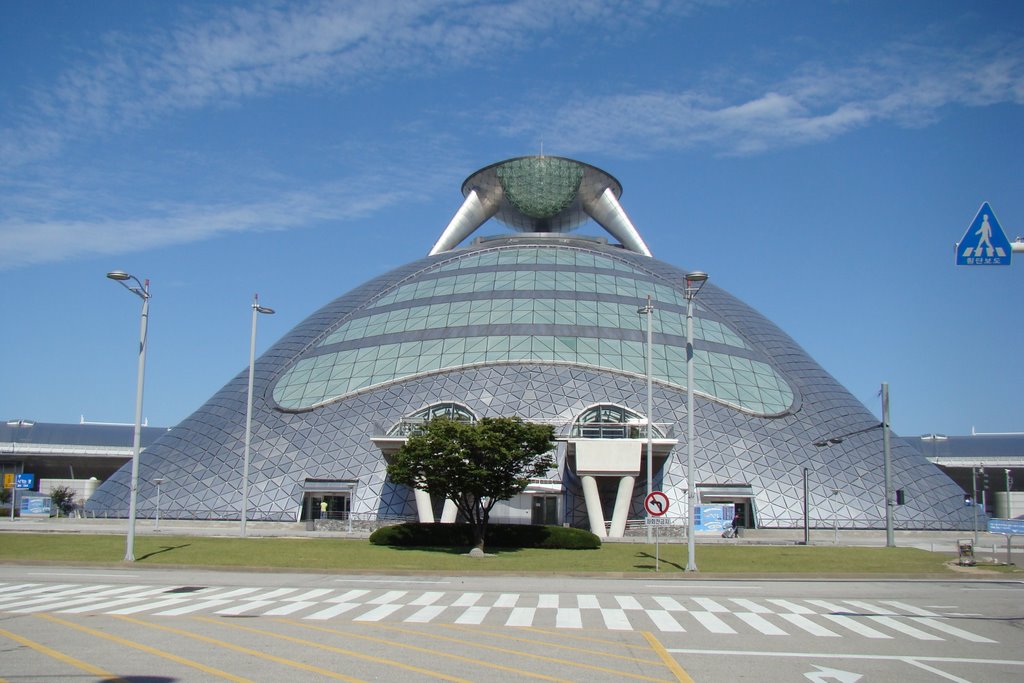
{"points": [[507, 600], [670, 604], [467, 600], [588, 602], [348, 597], [237, 593], [761, 624], [387, 598], [802, 622], [616, 620], [855, 626], [427, 614], [16, 593], [379, 613], [474, 615], [333, 611], [521, 616], [910, 609], [548, 600], [628, 602], [195, 607], [665, 621], [791, 607], [712, 622], [710, 605], [289, 608], [569, 617], [49, 598], [310, 595], [278, 593], [952, 630], [246, 606], [135, 609], [428, 598], [751, 606], [905, 629]]}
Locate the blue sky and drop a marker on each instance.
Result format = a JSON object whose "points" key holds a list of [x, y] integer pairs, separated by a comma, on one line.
{"points": [[818, 159]]}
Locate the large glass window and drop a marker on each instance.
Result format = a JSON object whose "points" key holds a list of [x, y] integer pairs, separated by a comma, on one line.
{"points": [[528, 304], [413, 424], [611, 422]]}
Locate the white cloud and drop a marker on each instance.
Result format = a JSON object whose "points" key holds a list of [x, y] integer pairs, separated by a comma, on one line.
{"points": [[906, 85]]}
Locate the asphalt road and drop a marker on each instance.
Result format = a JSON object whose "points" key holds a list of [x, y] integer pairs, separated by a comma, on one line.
{"points": [[163, 625]]}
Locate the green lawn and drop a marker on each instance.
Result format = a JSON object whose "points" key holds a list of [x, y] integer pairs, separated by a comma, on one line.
{"points": [[359, 555]]}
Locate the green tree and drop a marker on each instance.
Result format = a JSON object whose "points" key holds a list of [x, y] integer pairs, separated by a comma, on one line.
{"points": [[63, 498], [474, 464]]}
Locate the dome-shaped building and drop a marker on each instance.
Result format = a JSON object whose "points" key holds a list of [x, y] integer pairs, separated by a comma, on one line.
{"points": [[542, 324]]}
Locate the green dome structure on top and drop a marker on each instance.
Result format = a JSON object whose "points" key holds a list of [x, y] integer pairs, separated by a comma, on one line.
{"points": [[540, 187], [541, 194]]}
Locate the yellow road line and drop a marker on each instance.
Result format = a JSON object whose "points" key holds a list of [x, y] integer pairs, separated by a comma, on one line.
{"points": [[67, 659], [338, 650], [670, 661], [518, 653], [426, 650], [549, 644], [146, 648], [243, 650]]}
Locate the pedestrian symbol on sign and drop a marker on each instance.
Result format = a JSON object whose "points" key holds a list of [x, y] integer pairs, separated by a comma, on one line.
{"points": [[984, 243]]}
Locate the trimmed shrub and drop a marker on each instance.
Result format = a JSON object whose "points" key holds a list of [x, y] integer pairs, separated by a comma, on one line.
{"points": [[412, 534]]}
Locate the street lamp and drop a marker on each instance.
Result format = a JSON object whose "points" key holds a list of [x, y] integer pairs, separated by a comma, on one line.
{"points": [[648, 310], [890, 541], [141, 291], [694, 282], [1009, 480], [256, 311], [157, 481]]}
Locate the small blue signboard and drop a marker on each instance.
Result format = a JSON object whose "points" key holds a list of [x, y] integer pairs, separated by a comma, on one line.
{"points": [[1006, 526], [35, 506], [24, 481], [984, 243], [711, 517]]}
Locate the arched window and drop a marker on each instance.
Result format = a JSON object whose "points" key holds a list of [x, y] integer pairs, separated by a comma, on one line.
{"points": [[413, 424], [607, 421]]}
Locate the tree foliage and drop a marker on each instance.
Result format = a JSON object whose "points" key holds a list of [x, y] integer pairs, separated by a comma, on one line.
{"points": [[63, 498], [474, 465]]}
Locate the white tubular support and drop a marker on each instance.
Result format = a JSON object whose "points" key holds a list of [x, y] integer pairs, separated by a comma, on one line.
{"points": [[622, 499], [470, 216], [593, 500], [609, 214], [1017, 245], [449, 513], [424, 509]]}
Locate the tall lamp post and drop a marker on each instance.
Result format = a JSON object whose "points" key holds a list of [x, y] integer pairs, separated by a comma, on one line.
{"points": [[890, 539], [256, 311], [694, 282], [648, 310], [141, 290]]}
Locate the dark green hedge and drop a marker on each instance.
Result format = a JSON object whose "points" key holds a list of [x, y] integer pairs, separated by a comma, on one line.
{"points": [[498, 536]]}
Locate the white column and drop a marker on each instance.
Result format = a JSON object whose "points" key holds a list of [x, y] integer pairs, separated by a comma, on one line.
{"points": [[621, 512], [424, 508], [593, 501], [449, 513]]}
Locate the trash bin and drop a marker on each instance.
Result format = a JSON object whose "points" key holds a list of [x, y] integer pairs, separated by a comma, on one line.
{"points": [[966, 549]]}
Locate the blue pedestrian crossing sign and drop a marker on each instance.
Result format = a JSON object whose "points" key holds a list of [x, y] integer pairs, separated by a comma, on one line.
{"points": [[984, 243]]}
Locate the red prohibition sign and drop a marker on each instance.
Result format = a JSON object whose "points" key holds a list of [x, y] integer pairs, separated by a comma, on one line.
{"points": [[656, 503]]}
